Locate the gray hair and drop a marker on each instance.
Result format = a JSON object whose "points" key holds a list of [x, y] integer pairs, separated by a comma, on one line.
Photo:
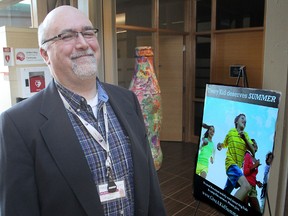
{"points": [[41, 36]]}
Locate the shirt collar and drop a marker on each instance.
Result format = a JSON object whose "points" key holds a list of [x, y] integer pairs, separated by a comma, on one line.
{"points": [[76, 100], [247, 151], [102, 95]]}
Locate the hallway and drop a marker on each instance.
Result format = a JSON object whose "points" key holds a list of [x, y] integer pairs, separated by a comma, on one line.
{"points": [[176, 181]]}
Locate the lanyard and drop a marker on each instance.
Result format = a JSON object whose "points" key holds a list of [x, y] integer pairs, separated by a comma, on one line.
{"points": [[94, 133]]}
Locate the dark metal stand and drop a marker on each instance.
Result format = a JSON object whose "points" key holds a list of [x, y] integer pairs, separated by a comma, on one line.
{"points": [[242, 73], [197, 208], [268, 203]]}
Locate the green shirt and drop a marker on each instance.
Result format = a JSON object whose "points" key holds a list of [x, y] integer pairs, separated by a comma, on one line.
{"points": [[236, 148], [206, 153]]}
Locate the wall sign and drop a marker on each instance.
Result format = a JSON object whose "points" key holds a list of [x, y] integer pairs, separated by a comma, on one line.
{"points": [[28, 56], [33, 80], [8, 56], [222, 104]]}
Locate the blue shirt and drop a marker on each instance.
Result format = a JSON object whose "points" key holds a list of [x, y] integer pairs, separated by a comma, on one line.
{"points": [[119, 144]]}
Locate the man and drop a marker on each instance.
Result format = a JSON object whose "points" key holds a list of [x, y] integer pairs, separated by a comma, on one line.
{"points": [[237, 142], [79, 147]]}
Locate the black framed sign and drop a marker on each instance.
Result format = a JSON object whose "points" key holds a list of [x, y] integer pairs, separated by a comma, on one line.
{"points": [[236, 148]]}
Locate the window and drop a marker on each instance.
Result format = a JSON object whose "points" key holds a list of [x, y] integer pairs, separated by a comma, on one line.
{"points": [[16, 15], [171, 15], [203, 15], [202, 76], [239, 14], [136, 13], [143, 23]]}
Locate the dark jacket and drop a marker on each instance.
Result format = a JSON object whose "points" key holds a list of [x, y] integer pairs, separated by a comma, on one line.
{"points": [[43, 171]]}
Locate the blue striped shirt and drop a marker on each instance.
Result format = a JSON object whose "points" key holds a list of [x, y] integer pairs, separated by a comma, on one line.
{"points": [[119, 144]]}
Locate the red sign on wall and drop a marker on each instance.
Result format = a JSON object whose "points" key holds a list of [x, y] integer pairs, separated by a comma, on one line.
{"points": [[8, 56], [37, 83]]}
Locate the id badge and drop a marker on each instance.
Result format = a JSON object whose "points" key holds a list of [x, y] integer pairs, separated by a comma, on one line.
{"points": [[106, 196]]}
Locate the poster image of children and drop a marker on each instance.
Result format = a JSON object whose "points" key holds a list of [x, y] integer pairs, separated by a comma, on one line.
{"points": [[237, 117], [269, 159], [250, 169], [206, 151], [237, 142]]}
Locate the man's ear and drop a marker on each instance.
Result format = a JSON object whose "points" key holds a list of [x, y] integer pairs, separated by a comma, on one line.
{"points": [[45, 56]]}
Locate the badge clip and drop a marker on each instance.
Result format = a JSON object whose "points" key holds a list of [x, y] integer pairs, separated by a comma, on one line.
{"points": [[111, 187]]}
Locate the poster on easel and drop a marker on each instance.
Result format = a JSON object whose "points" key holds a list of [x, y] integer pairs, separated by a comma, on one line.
{"points": [[236, 148]]}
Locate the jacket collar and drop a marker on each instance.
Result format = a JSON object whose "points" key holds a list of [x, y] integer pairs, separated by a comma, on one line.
{"points": [[63, 145]]}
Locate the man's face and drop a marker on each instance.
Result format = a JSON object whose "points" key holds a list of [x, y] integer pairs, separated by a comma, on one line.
{"points": [[76, 59]]}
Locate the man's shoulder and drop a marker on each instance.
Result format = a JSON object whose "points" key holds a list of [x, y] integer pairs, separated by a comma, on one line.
{"points": [[24, 112], [29, 105], [113, 86], [115, 90], [26, 104]]}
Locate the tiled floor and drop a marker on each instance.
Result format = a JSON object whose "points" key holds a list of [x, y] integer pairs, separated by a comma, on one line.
{"points": [[176, 181]]}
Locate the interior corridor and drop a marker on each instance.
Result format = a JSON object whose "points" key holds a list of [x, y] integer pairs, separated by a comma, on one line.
{"points": [[176, 181]]}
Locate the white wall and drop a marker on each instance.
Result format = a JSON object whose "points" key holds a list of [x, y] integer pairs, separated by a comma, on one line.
{"points": [[5, 94], [10, 83], [275, 77]]}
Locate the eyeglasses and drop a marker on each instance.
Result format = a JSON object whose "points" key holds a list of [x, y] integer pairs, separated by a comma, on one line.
{"points": [[71, 35]]}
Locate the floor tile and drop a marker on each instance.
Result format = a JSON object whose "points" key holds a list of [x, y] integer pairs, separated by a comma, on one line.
{"points": [[176, 181]]}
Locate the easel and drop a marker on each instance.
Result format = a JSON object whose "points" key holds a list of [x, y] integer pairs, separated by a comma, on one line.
{"points": [[242, 73], [197, 207], [269, 208]]}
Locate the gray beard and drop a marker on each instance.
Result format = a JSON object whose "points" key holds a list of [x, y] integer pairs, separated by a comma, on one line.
{"points": [[85, 68]]}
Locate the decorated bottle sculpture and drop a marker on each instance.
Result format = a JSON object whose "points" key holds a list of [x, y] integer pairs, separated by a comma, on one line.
{"points": [[145, 85]]}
